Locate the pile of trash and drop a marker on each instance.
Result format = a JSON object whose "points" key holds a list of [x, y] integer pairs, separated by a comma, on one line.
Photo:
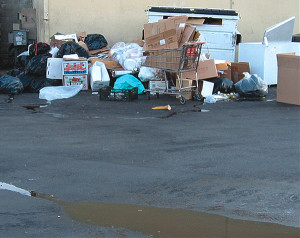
{"points": [[86, 62]]}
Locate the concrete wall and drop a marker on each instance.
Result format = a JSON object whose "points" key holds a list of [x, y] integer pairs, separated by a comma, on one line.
{"points": [[120, 20]]}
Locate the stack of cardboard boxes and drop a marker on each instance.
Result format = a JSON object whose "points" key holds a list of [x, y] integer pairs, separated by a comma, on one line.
{"points": [[163, 40], [75, 72]]}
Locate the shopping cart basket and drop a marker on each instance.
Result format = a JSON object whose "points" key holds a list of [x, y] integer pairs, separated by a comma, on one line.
{"points": [[179, 60]]}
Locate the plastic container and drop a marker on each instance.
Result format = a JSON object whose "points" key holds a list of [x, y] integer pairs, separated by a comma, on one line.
{"points": [[110, 94]]}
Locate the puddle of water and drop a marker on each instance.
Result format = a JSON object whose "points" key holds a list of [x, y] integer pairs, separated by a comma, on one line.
{"points": [[163, 222]]}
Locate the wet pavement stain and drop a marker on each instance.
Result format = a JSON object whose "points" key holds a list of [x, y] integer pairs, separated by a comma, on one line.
{"points": [[164, 222], [185, 111]]}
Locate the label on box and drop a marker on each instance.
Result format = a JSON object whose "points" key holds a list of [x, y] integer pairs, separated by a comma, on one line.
{"points": [[162, 42], [76, 80], [75, 67]]}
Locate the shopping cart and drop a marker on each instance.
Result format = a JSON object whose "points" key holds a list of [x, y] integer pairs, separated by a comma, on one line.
{"points": [[178, 61]]}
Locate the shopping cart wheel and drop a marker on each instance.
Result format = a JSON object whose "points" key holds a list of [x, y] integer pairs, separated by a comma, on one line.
{"points": [[182, 100], [157, 95], [198, 97]]}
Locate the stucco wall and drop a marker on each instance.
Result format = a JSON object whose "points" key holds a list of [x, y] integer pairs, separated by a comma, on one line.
{"points": [[120, 20]]}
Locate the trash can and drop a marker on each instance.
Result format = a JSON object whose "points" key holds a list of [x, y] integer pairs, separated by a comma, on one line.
{"points": [[218, 27], [262, 56]]}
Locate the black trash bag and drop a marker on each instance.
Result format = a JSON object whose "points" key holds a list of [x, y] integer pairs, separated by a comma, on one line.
{"points": [[10, 85], [39, 49], [38, 83], [32, 83], [251, 86], [70, 48], [26, 80], [95, 41], [13, 72], [223, 85], [37, 65]]}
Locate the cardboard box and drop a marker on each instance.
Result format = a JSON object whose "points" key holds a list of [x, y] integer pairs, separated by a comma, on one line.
{"points": [[160, 35], [195, 21], [288, 84], [164, 40], [54, 68], [74, 67], [237, 70], [210, 69], [158, 86], [206, 69], [187, 35], [151, 29], [180, 23], [109, 63], [69, 80], [186, 83], [224, 69]]}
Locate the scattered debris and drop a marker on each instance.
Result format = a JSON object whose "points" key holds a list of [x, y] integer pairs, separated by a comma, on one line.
{"points": [[167, 107]]}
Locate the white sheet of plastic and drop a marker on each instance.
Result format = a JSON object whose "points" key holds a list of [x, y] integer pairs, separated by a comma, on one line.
{"points": [[59, 92]]}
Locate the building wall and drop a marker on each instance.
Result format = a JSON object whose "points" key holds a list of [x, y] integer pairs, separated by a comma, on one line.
{"points": [[120, 20], [8, 15]]}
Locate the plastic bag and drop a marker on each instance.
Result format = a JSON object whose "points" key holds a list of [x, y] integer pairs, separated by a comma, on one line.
{"points": [[147, 74], [37, 65], [39, 48], [10, 85], [95, 41], [59, 92], [129, 55], [128, 82], [70, 48], [210, 99], [54, 51], [251, 86], [223, 85]]}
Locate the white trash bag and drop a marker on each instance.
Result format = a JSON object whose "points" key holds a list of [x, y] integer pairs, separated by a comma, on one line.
{"points": [[59, 92]]}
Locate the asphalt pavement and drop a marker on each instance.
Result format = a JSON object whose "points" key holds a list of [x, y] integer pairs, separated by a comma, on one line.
{"points": [[236, 158]]}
